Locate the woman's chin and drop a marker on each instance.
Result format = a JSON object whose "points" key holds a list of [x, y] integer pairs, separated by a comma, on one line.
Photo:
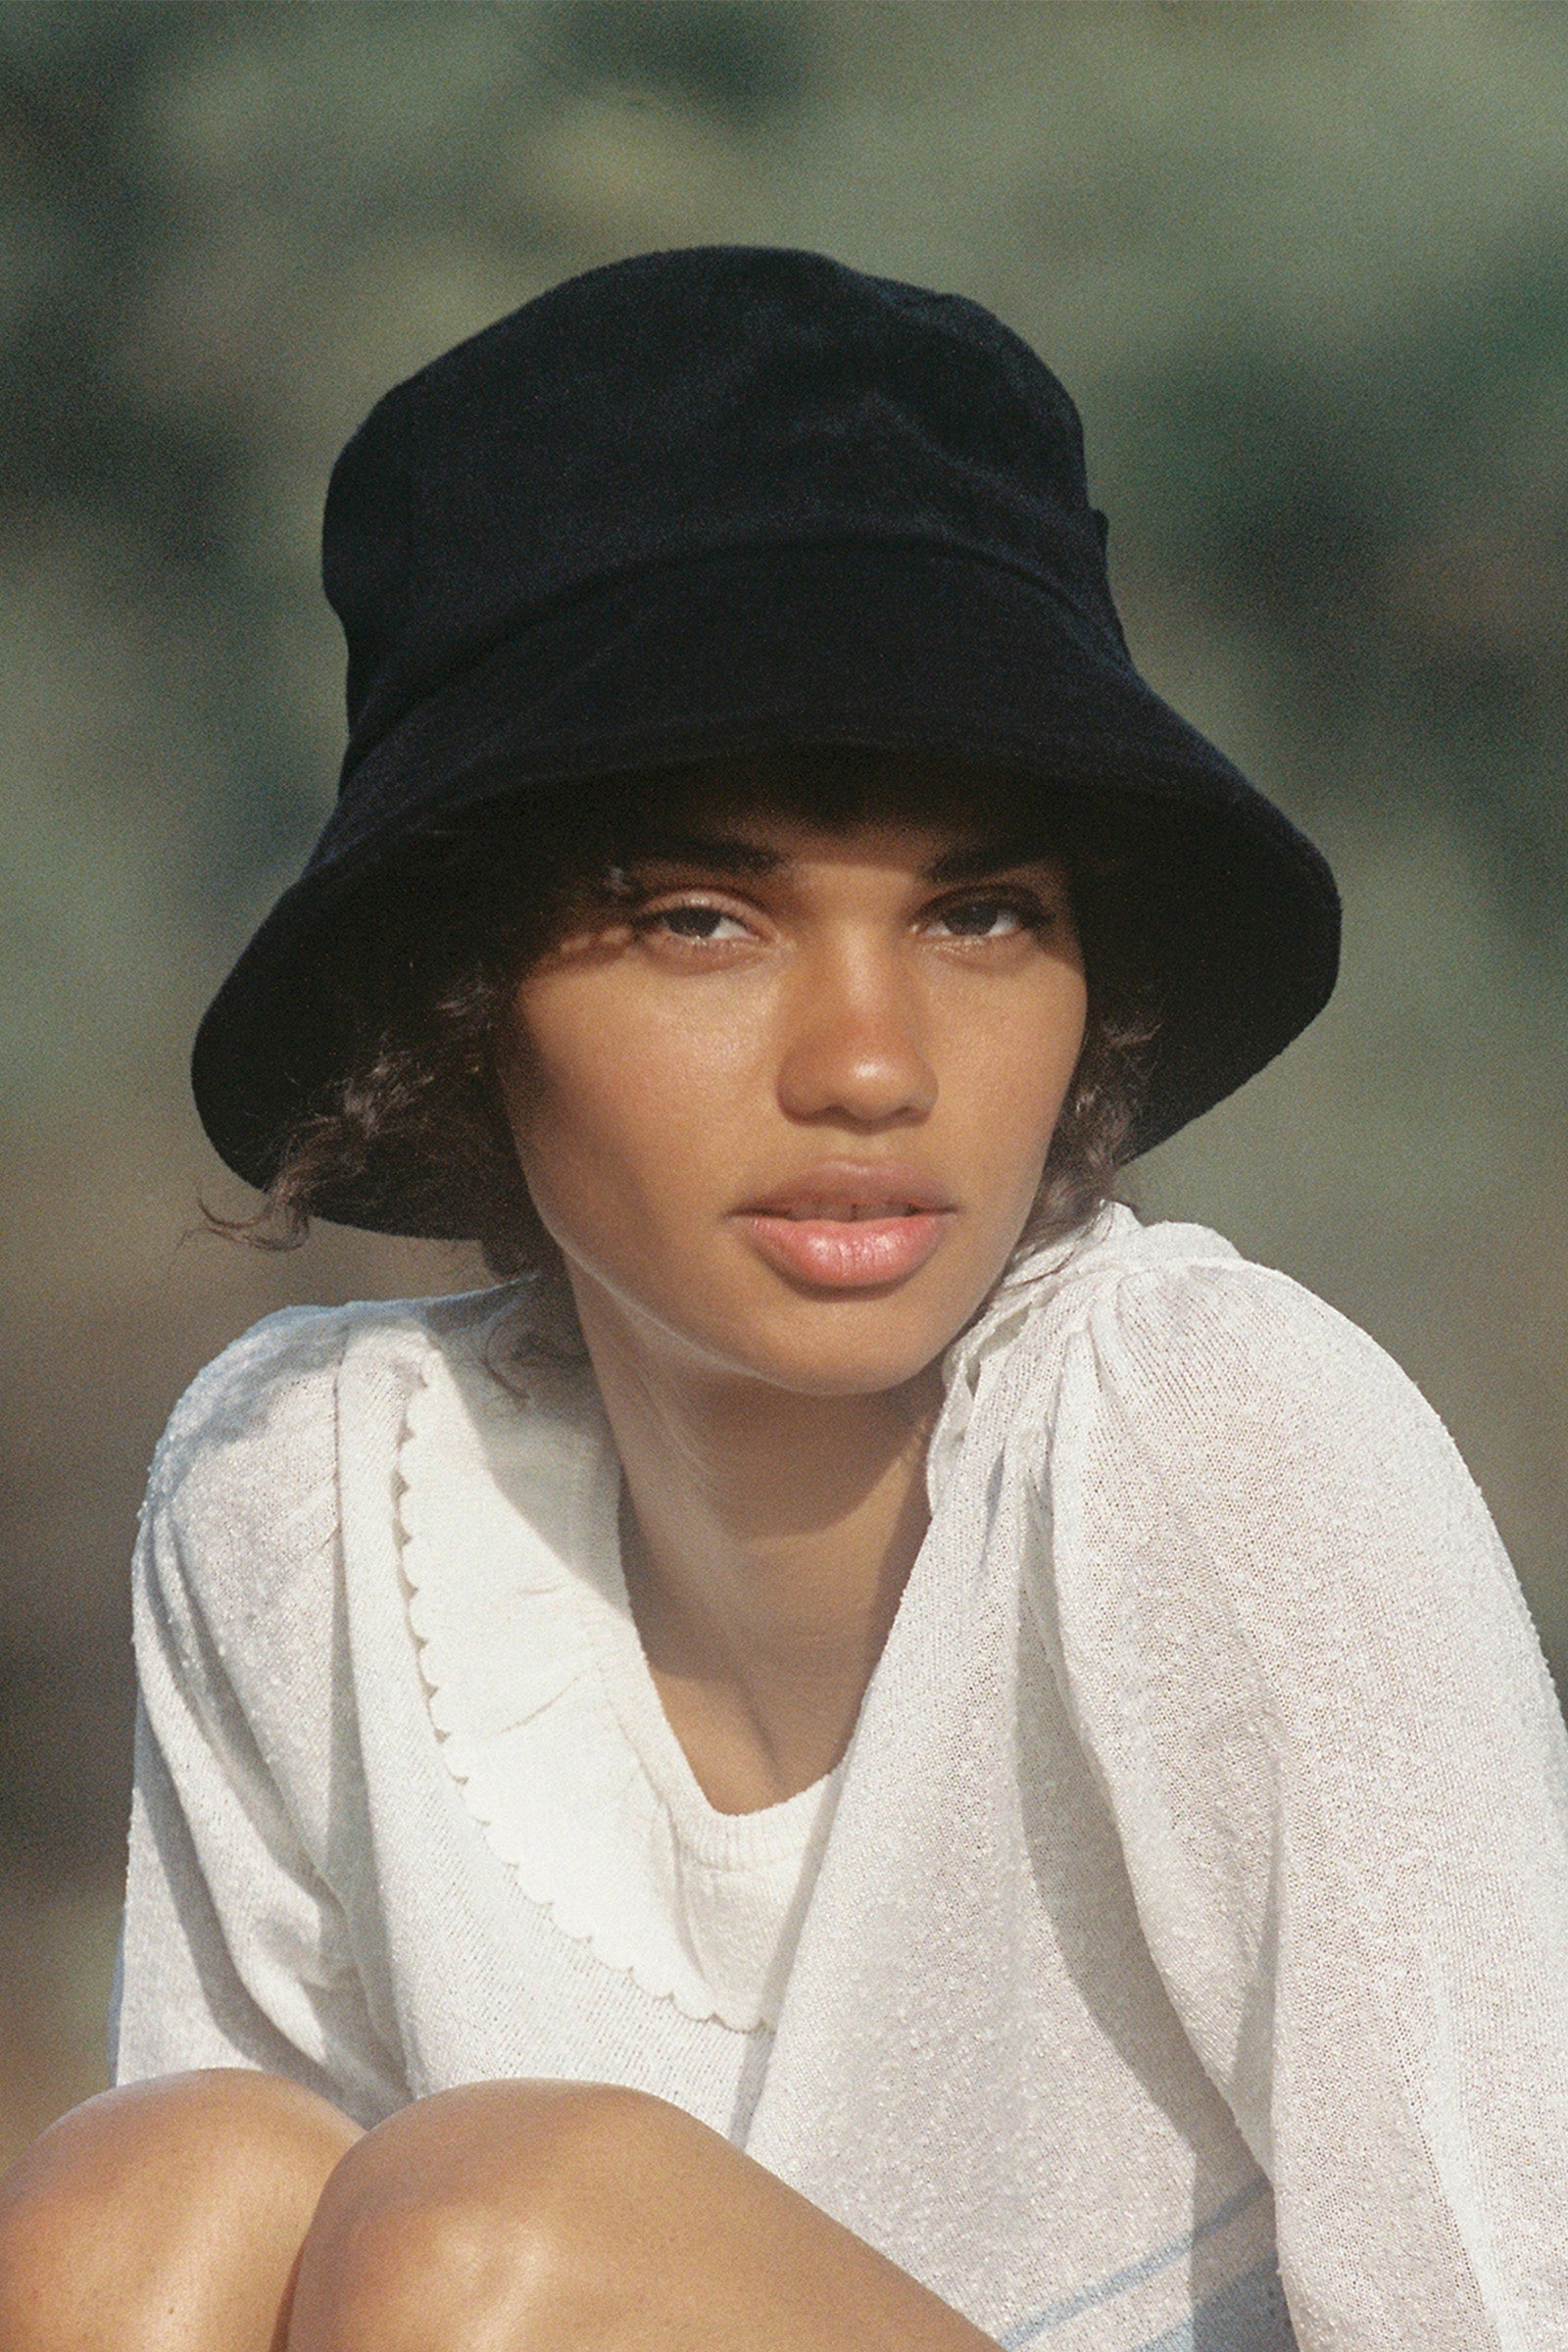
{"points": [[845, 1346], [748, 1321]]}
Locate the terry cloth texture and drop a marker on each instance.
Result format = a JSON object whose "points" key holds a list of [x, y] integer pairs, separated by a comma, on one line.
{"points": [[1234, 2016]]}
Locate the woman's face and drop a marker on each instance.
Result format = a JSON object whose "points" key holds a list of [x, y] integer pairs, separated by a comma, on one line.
{"points": [[784, 1099]]}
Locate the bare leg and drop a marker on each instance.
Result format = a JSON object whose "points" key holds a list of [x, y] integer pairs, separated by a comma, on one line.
{"points": [[544, 2216], [166, 2217]]}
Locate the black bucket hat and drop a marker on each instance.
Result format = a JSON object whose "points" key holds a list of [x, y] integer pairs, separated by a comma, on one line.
{"points": [[732, 499]]}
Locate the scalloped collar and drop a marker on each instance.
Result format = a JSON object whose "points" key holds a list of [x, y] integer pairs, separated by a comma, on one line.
{"points": [[541, 1698], [546, 1714]]}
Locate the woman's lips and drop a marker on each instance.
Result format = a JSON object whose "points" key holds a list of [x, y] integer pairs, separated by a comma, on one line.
{"points": [[842, 1254], [842, 1227]]}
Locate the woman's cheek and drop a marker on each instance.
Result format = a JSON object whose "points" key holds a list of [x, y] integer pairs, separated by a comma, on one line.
{"points": [[619, 1115]]}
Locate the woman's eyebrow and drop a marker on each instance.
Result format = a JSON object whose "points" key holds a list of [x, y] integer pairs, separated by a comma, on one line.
{"points": [[722, 852], [984, 858]]}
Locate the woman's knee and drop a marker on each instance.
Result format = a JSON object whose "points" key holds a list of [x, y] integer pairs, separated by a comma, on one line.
{"points": [[488, 2212], [197, 2187]]}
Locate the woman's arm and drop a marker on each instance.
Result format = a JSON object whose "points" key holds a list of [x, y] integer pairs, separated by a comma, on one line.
{"points": [[1295, 1649], [236, 1948]]}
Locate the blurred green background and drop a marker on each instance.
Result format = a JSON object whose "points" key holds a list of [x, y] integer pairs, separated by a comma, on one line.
{"points": [[1305, 269]]}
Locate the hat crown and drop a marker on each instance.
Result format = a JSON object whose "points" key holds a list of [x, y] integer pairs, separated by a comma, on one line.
{"points": [[676, 406]]}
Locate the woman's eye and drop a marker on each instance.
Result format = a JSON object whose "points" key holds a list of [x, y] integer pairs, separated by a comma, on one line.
{"points": [[987, 918], [700, 923]]}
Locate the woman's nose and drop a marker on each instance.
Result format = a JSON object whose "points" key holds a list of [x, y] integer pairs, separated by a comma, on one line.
{"points": [[854, 1046]]}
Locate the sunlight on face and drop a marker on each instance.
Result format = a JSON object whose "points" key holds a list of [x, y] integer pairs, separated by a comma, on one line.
{"points": [[783, 1097]]}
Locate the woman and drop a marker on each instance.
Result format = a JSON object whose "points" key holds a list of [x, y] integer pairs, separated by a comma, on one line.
{"points": [[866, 1752]]}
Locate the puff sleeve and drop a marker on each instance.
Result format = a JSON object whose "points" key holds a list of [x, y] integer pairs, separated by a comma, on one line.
{"points": [[247, 1871], [1302, 1667]]}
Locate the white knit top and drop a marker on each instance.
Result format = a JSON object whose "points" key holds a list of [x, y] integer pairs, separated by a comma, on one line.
{"points": [[548, 1717], [1177, 1961]]}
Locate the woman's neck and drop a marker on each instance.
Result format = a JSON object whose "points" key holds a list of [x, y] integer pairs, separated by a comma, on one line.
{"points": [[768, 1538]]}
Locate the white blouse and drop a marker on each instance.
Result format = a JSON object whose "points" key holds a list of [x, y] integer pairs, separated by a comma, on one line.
{"points": [[1179, 1957], [548, 1714]]}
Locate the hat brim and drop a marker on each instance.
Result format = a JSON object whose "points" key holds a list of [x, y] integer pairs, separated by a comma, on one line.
{"points": [[895, 647]]}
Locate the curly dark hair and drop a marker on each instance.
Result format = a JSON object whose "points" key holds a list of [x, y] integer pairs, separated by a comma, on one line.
{"points": [[428, 968]]}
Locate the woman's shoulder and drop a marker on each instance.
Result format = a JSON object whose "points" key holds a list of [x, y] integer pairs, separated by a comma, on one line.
{"points": [[1232, 1399], [1241, 1491], [1173, 1314], [285, 1367], [1224, 1429], [248, 1457]]}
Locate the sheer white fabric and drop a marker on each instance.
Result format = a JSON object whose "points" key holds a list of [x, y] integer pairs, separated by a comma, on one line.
{"points": [[548, 1717], [1196, 1887]]}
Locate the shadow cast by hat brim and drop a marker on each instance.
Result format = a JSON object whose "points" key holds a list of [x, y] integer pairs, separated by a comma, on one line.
{"points": [[1229, 916]]}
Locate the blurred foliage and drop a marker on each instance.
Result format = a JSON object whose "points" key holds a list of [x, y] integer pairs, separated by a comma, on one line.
{"points": [[743, 65], [1306, 270], [1394, 537]]}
